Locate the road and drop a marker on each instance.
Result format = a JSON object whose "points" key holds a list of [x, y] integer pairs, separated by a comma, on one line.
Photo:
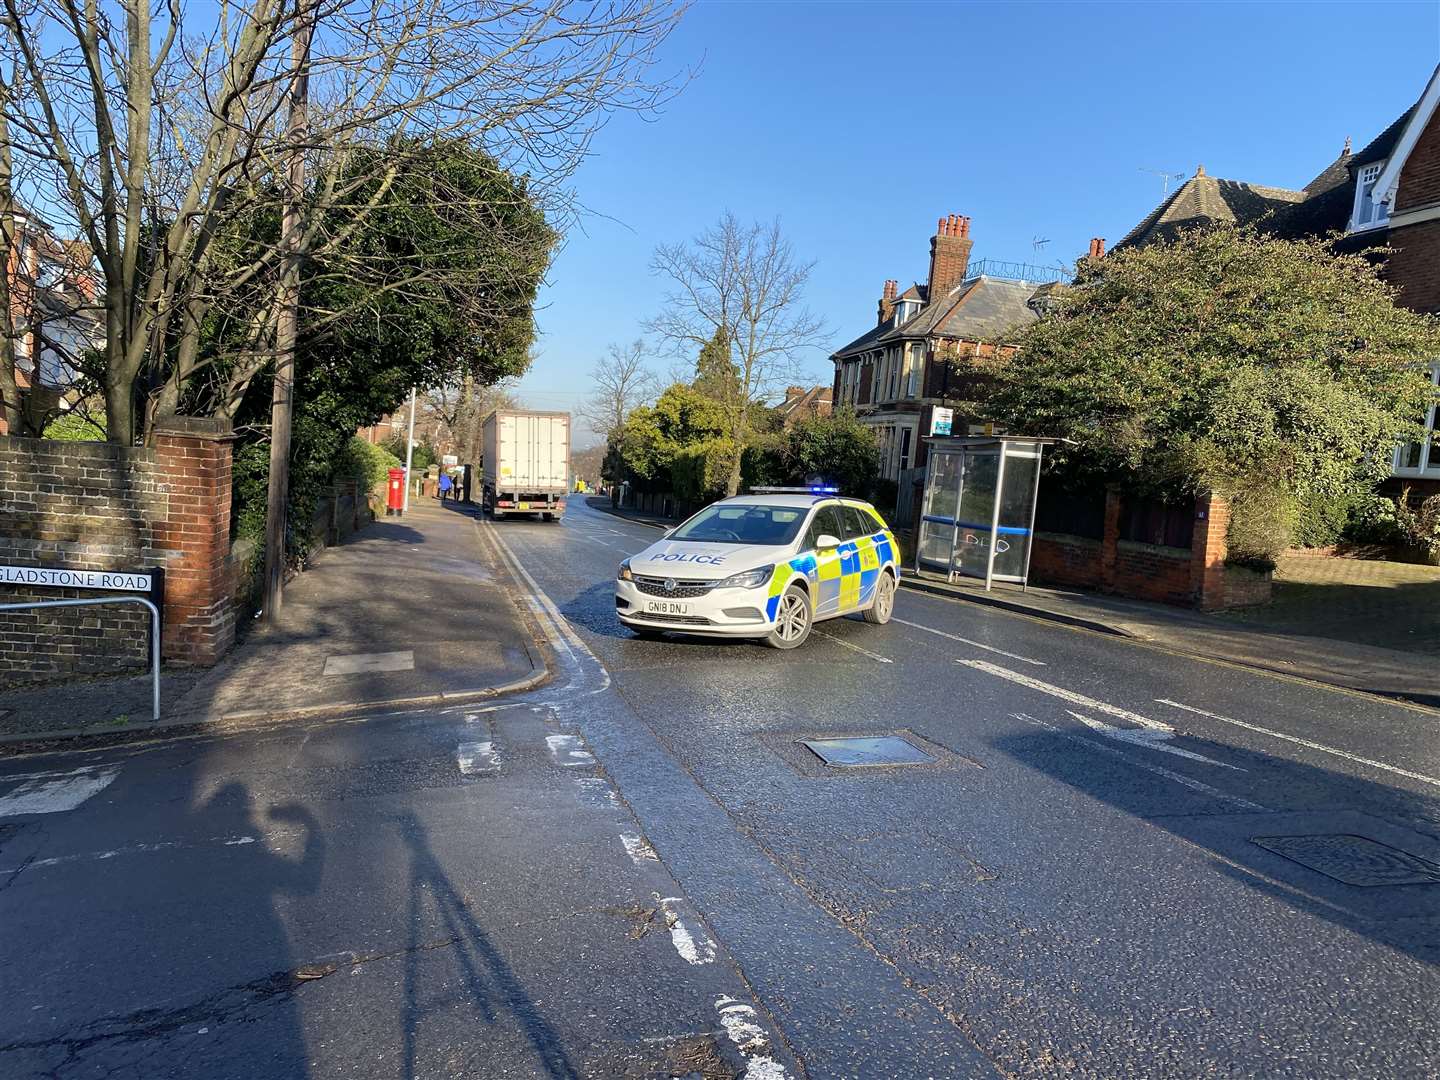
{"points": [[1107, 870]]}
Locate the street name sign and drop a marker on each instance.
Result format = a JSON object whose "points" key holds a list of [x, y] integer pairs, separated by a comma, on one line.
{"points": [[52, 577]]}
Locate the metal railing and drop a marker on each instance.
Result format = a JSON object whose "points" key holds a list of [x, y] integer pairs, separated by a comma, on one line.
{"points": [[98, 600]]}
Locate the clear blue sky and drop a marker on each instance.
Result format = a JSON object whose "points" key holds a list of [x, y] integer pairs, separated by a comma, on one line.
{"points": [[860, 124]]}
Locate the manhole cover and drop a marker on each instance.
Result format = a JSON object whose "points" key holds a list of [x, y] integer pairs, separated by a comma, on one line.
{"points": [[882, 750], [1355, 860]]}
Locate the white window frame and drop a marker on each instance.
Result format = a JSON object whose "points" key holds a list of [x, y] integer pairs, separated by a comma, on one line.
{"points": [[915, 376], [1429, 465], [1382, 209]]}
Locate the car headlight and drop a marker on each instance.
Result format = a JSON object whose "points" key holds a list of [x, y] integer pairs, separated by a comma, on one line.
{"points": [[624, 572], [748, 579]]}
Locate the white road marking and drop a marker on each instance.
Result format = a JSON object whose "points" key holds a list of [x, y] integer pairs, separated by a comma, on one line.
{"points": [[597, 791], [133, 849], [365, 662], [749, 1037], [477, 758], [693, 945], [51, 793], [1153, 740], [857, 648], [569, 751], [1066, 695], [967, 641], [1308, 743], [638, 849], [1168, 774]]}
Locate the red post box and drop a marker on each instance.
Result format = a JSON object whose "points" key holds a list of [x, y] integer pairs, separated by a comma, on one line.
{"points": [[395, 492]]}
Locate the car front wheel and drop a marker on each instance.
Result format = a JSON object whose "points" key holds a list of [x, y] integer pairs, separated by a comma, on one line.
{"points": [[792, 620], [883, 606]]}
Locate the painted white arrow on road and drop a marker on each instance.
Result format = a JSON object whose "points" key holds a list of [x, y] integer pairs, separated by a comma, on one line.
{"points": [[1152, 738]]}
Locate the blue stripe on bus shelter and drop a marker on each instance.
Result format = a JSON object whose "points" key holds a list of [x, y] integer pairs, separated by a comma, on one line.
{"points": [[1003, 530]]}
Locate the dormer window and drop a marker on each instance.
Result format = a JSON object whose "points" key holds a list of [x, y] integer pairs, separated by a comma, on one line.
{"points": [[903, 310], [1370, 212]]}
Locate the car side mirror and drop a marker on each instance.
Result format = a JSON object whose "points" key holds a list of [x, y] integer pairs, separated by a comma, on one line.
{"points": [[826, 541]]}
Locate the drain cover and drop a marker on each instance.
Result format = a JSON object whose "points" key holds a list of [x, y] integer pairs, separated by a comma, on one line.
{"points": [[882, 750], [1355, 860]]}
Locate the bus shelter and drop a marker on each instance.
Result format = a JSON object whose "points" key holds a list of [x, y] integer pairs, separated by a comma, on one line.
{"points": [[978, 515]]}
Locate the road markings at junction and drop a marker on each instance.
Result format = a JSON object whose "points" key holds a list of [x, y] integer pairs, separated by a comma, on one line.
{"points": [[1308, 743], [568, 751], [693, 944], [1066, 695], [857, 648], [477, 758], [742, 1025], [1168, 774], [1147, 737], [638, 849], [967, 641], [51, 793]]}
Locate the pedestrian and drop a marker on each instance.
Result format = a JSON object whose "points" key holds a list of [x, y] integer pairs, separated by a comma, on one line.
{"points": [[444, 486]]}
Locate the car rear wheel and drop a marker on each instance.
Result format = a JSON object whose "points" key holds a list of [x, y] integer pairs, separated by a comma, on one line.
{"points": [[793, 619], [883, 606], [548, 516]]}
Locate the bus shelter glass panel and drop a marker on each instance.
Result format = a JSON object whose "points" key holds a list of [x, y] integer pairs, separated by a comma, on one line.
{"points": [[937, 521], [1017, 512], [977, 508]]}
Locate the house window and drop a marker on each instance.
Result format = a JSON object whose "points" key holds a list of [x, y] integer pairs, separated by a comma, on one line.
{"points": [[904, 448], [1422, 458], [1369, 213], [917, 366]]}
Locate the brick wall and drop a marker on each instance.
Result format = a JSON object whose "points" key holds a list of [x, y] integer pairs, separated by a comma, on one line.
{"points": [[1420, 178], [98, 506], [1189, 577], [1414, 266]]}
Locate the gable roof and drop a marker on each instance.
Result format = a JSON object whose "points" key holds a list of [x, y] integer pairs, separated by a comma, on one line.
{"points": [[817, 399], [1202, 200], [1416, 121]]}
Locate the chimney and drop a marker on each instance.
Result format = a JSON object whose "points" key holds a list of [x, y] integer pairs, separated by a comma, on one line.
{"points": [[949, 255], [793, 392], [1097, 247], [887, 301]]}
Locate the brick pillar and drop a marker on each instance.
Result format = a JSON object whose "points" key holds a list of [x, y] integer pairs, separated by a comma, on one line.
{"points": [[1207, 551], [192, 458], [1110, 542]]}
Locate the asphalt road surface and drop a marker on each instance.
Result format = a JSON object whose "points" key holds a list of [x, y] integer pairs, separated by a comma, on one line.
{"points": [[1120, 862]]}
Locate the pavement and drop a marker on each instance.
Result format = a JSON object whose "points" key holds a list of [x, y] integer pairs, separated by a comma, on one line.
{"points": [[1118, 860], [406, 611], [1346, 622]]}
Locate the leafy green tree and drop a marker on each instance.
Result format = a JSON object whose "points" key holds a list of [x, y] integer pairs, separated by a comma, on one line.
{"points": [[1272, 370], [716, 375], [452, 252]]}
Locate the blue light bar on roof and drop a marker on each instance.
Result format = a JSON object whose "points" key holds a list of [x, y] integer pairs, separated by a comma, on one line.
{"points": [[825, 491]]}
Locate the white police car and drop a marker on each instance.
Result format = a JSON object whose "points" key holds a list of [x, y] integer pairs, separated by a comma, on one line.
{"points": [[765, 565]]}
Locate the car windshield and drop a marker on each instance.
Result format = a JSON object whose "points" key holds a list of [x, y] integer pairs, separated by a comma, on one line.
{"points": [[732, 523]]}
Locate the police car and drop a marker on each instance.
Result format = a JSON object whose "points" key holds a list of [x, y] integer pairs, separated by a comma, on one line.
{"points": [[768, 565]]}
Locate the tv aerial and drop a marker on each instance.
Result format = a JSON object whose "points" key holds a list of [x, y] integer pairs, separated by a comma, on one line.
{"points": [[1165, 178]]}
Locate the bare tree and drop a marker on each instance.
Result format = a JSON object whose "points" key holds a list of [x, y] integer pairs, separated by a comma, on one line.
{"points": [[621, 382], [742, 284], [152, 128]]}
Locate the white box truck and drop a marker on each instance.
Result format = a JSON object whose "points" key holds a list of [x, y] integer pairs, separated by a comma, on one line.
{"points": [[526, 463]]}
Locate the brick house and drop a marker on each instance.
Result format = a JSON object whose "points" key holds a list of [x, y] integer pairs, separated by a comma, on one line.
{"points": [[805, 403], [932, 347], [1387, 194], [54, 309]]}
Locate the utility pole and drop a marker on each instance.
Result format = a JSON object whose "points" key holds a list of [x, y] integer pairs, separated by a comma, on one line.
{"points": [[282, 399], [409, 454]]}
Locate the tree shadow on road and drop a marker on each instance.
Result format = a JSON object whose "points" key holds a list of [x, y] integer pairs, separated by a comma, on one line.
{"points": [[1304, 829]]}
